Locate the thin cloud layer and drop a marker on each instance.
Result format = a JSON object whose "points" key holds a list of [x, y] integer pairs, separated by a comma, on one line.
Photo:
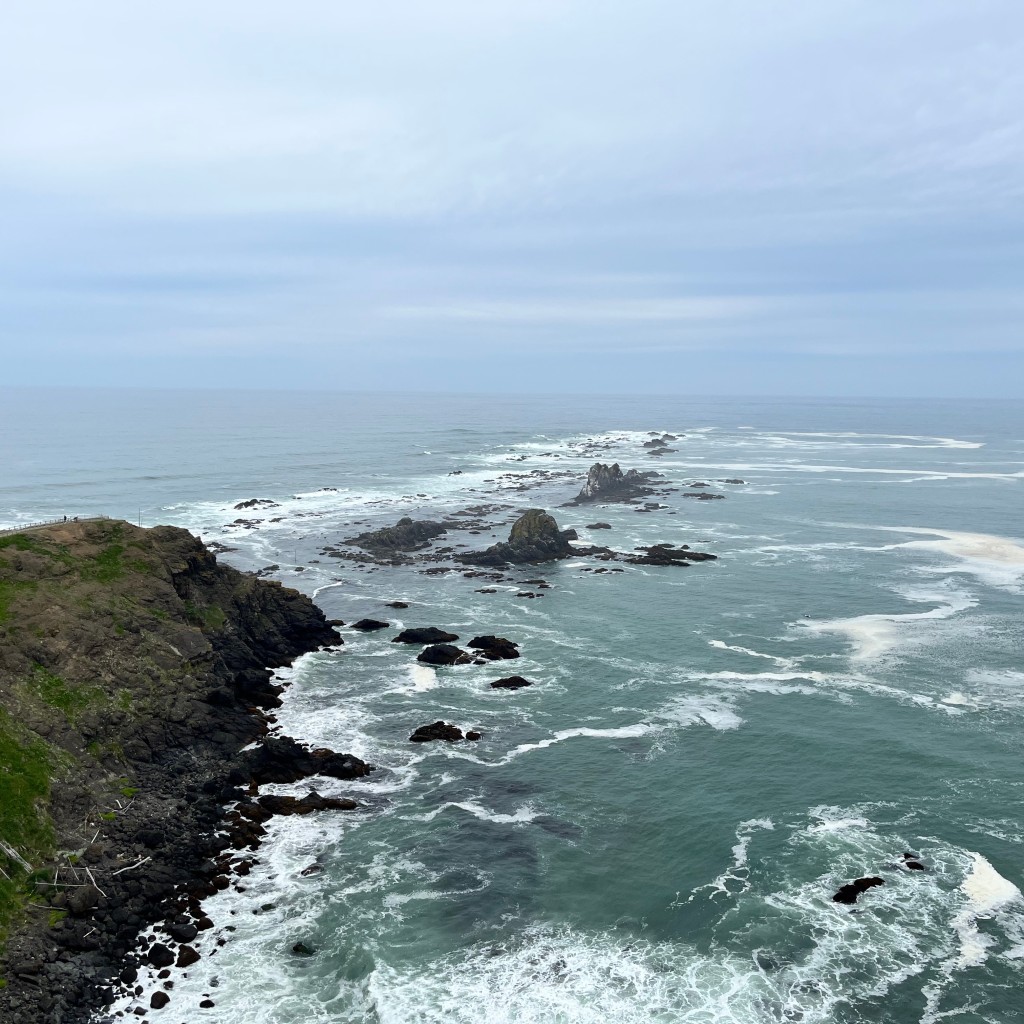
{"points": [[414, 194]]}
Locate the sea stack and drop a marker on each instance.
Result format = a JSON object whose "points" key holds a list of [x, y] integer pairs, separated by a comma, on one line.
{"points": [[609, 483], [534, 537]]}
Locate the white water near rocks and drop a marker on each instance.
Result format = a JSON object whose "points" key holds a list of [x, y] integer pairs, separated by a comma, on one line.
{"points": [[652, 831]]}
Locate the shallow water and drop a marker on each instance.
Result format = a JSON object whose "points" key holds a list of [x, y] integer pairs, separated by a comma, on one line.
{"points": [[654, 830]]}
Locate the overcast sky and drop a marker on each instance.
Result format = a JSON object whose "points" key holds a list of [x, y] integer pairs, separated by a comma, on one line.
{"points": [[731, 196]]}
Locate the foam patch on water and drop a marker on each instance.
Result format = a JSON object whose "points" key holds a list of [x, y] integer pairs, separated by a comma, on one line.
{"points": [[523, 815], [874, 635], [986, 894], [723, 646]]}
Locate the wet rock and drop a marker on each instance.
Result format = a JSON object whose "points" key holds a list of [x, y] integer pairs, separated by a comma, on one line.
{"points": [[397, 604], [187, 956], [443, 654], [282, 759], [369, 625], [510, 683], [668, 554], [912, 862], [256, 503], [159, 955], [437, 731], [406, 535], [473, 736], [494, 648], [599, 526], [609, 483], [733, 480], [534, 537], [425, 635], [312, 801], [158, 1000], [848, 893], [301, 949], [702, 495]]}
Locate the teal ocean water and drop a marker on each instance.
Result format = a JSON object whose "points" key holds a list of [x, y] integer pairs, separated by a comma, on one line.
{"points": [[655, 829]]}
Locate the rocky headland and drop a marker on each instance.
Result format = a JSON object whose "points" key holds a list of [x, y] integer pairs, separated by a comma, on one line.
{"points": [[133, 670]]}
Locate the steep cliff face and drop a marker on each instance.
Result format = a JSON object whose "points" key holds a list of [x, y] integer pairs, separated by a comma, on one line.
{"points": [[132, 666]]}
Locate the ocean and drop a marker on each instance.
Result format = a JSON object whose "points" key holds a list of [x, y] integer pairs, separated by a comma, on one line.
{"points": [[654, 830]]}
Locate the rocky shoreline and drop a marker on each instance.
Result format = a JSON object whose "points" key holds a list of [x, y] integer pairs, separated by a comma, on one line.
{"points": [[135, 669]]}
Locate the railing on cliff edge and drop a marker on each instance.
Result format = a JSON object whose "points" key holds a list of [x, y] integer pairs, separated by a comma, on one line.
{"points": [[60, 521]]}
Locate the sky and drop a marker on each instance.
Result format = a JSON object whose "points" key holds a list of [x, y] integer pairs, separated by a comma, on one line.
{"points": [[730, 197]]}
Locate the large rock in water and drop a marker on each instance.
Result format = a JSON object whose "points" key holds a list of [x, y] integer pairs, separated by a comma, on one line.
{"points": [[424, 635], [406, 535], [848, 893], [609, 483], [534, 537]]}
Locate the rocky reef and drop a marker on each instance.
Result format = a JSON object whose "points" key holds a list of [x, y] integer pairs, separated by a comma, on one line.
{"points": [[609, 483], [133, 670], [406, 535], [534, 537]]}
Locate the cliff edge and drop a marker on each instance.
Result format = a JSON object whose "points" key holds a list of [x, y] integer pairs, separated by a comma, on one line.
{"points": [[133, 668]]}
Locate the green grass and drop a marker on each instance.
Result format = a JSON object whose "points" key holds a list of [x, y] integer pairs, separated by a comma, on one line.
{"points": [[26, 767], [106, 566], [71, 700], [210, 618], [9, 591]]}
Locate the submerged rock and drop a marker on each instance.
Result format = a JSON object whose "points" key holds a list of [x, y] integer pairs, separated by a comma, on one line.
{"points": [[609, 483], [668, 554], [534, 537], [425, 635], [437, 731], [848, 893]]}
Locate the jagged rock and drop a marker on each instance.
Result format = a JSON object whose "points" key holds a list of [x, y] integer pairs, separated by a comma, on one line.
{"points": [[443, 654], [312, 801], [510, 683], [437, 731], [849, 893], [668, 554], [406, 535], [494, 648], [425, 635], [257, 503], [369, 625], [534, 537], [282, 759], [609, 483]]}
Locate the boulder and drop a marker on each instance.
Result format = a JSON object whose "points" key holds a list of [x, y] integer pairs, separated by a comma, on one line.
{"points": [[534, 537], [494, 648], [425, 635], [609, 483], [848, 893], [312, 801], [443, 654], [437, 731], [282, 759], [510, 683], [369, 625]]}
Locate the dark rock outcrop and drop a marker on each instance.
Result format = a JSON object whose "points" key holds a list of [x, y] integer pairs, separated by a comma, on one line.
{"points": [[369, 625], [282, 759], [406, 535], [437, 731], [443, 654], [494, 648], [848, 893], [312, 801], [424, 635], [668, 554], [510, 683], [609, 483], [534, 537]]}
